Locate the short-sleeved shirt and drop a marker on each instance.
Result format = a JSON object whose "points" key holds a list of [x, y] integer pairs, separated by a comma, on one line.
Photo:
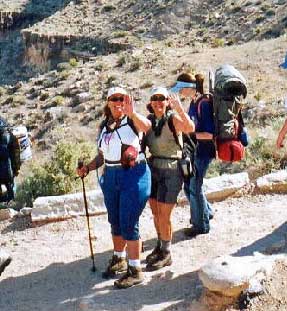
{"points": [[110, 142], [202, 116]]}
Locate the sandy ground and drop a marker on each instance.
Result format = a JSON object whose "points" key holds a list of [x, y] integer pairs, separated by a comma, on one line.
{"points": [[51, 266]]}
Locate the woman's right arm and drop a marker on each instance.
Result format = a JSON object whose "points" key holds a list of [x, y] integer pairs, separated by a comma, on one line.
{"points": [[97, 162]]}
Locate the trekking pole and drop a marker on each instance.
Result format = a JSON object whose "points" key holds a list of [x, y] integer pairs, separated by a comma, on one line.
{"points": [[80, 165]]}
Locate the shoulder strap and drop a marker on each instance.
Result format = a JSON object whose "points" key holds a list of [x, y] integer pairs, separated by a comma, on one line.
{"points": [[130, 122], [204, 97], [172, 128]]}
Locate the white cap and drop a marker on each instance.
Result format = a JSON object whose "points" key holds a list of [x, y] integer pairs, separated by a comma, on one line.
{"points": [[116, 90], [160, 91]]}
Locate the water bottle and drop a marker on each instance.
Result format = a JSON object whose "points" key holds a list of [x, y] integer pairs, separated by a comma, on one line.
{"points": [[244, 137]]}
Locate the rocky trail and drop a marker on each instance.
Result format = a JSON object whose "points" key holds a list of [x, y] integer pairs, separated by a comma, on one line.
{"points": [[50, 270]]}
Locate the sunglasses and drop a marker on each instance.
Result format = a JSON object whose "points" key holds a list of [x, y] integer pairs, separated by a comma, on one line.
{"points": [[159, 98], [116, 99]]}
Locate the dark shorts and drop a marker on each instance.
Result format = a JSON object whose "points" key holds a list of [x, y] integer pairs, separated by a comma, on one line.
{"points": [[165, 184]]}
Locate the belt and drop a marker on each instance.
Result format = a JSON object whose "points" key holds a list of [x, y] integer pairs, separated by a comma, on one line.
{"points": [[117, 164]]}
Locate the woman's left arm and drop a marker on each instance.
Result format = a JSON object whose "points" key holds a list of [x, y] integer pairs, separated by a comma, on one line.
{"points": [[181, 120], [141, 123]]}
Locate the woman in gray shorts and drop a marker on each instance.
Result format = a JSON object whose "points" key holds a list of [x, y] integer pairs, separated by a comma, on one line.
{"points": [[163, 140]]}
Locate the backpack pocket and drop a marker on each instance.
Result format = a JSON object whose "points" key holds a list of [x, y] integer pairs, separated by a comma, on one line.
{"points": [[230, 150]]}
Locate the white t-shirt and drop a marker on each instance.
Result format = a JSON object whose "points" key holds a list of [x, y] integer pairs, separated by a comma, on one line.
{"points": [[110, 142]]}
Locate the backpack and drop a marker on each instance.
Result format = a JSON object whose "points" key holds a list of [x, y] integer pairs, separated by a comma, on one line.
{"points": [[229, 90], [9, 154]]}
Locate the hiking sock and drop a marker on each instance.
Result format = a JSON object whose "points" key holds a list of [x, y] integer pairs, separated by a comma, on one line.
{"points": [[122, 254], [134, 262], [166, 246], [158, 243]]}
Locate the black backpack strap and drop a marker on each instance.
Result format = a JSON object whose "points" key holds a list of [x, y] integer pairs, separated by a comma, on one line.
{"points": [[172, 128]]}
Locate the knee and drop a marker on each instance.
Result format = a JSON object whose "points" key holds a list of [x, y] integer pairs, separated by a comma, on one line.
{"points": [[130, 233], [116, 230]]}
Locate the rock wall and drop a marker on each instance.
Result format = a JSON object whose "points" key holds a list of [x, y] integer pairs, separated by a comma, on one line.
{"points": [[46, 51]]}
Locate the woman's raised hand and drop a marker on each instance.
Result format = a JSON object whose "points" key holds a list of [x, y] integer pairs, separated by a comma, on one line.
{"points": [[175, 103], [128, 105]]}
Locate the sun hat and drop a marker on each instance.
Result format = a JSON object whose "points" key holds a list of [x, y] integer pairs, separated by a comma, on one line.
{"points": [[179, 85], [160, 90], [116, 90]]}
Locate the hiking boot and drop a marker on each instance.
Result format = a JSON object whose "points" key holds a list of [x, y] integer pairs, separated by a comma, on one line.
{"points": [[153, 256], [193, 232], [163, 260], [116, 265], [5, 260], [133, 277]]}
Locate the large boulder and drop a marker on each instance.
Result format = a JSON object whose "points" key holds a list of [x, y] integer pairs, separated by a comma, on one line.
{"points": [[229, 276], [221, 187], [54, 208], [274, 182]]}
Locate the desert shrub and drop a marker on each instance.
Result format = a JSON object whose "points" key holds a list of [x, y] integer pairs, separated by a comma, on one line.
{"points": [[111, 81], [108, 8], [57, 175], [121, 60], [146, 85], [73, 62], [58, 100], [18, 100], [218, 42], [64, 75], [120, 34], [135, 64], [63, 66]]}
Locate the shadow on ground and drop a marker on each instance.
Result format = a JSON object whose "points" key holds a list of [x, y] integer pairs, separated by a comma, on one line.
{"points": [[267, 241], [61, 287]]}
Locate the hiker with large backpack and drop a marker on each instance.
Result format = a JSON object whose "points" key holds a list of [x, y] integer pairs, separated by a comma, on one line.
{"points": [[9, 160], [164, 141], [201, 112], [126, 182]]}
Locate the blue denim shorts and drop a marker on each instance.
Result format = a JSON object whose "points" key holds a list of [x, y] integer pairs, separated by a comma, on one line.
{"points": [[126, 192]]}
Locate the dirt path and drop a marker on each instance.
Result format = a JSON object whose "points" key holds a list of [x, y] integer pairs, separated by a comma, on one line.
{"points": [[50, 270]]}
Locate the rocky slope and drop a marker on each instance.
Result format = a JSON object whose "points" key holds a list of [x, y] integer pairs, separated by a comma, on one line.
{"points": [[59, 29]]}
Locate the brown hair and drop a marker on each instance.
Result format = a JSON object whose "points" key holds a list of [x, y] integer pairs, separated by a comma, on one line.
{"points": [[198, 79]]}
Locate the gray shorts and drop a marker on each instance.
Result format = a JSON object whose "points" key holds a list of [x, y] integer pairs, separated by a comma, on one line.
{"points": [[165, 184]]}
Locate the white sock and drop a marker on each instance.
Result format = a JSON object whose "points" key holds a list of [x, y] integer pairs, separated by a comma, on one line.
{"points": [[122, 254], [134, 262]]}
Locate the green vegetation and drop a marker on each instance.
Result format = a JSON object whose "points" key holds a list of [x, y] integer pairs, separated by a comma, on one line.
{"points": [[56, 176], [218, 42], [73, 62], [58, 100]]}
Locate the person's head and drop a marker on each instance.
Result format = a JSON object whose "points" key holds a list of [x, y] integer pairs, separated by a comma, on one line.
{"points": [[158, 101], [115, 102], [188, 84]]}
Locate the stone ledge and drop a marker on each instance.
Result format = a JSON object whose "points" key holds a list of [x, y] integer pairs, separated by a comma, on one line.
{"points": [[55, 208], [274, 182]]}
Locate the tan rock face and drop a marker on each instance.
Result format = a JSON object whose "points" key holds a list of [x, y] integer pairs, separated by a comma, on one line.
{"points": [[274, 182], [221, 187]]}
